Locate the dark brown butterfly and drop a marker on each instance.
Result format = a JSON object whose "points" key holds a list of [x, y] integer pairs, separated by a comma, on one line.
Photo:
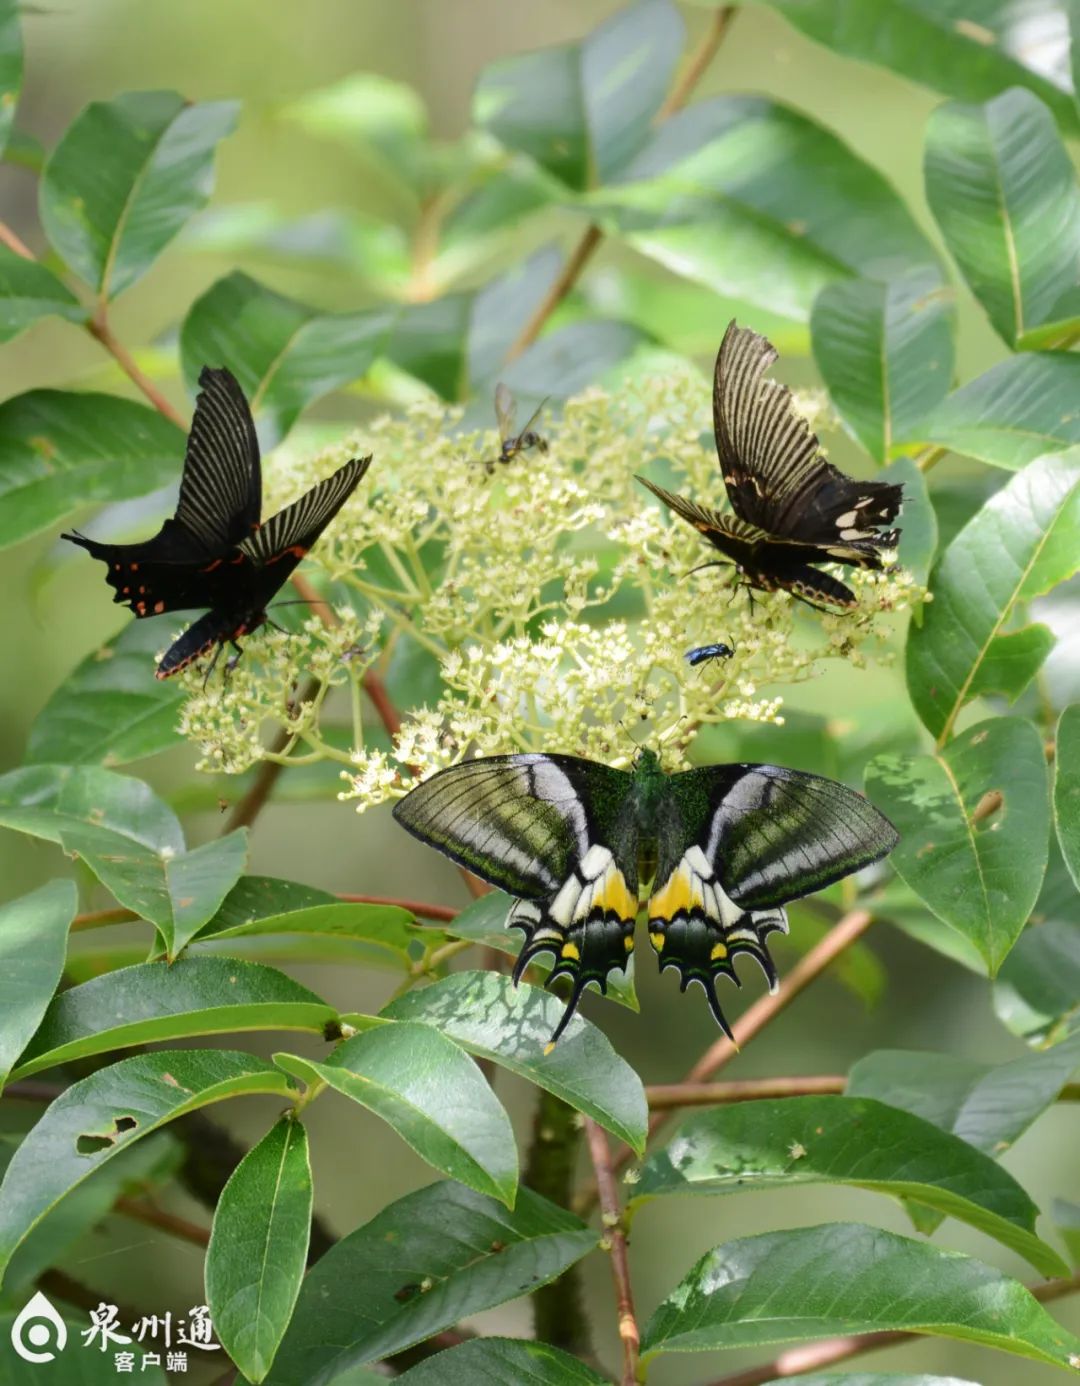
{"points": [[214, 552], [513, 441], [792, 508]]}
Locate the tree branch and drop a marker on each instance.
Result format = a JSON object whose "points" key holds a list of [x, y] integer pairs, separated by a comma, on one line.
{"points": [[444, 913], [591, 238], [663, 1097], [99, 328], [615, 1236]]}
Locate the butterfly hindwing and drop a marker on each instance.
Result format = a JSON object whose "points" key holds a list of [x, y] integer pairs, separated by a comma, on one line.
{"points": [[292, 531], [556, 831], [694, 925]]}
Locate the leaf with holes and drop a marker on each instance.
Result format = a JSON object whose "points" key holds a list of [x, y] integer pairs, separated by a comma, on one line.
{"points": [[284, 353], [885, 351], [178, 892], [1004, 192], [1024, 541], [98, 1116], [974, 821], [583, 110], [124, 179], [487, 1015], [426, 1262], [432, 1094], [111, 709], [854, 1141], [258, 1247], [843, 1279], [60, 451], [33, 945], [1014, 412], [1067, 788], [153, 1002]]}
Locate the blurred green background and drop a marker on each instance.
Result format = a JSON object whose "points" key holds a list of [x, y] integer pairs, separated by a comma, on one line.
{"points": [[266, 54]]}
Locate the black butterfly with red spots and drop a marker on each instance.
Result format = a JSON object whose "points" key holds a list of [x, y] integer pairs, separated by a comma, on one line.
{"points": [[793, 509], [215, 552]]}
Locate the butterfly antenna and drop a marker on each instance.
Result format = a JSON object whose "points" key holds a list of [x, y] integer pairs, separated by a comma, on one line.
{"points": [[301, 601], [711, 563]]}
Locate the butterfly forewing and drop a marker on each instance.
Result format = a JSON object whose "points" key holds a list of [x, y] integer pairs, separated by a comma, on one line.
{"points": [[771, 461], [221, 487], [294, 530], [556, 831]]}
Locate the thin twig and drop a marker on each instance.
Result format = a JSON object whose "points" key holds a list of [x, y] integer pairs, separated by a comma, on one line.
{"points": [[698, 62], [443, 913], [813, 1356], [929, 457], [94, 919], [663, 1097], [615, 1236], [142, 1210], [593, 235], [12, 241], [99, 328]]}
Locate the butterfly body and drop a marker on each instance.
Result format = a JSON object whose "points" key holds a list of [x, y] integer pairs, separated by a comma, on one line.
{"points": [[215, 552], [792, 509], [725, 847]]}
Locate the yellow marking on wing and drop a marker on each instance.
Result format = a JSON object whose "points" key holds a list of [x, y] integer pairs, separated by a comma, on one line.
{"points": [[657, 941], [719, 951], [628, 942], [571, 950], [679, 894], [614, 896]]}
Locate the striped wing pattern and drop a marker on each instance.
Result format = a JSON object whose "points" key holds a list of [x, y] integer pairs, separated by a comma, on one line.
{"points": [[294, 529], [548, 830], [221, 487], [771, 461], [735, 844]]}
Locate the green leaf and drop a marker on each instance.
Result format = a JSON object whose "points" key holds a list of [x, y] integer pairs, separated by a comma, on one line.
{"points": [[876, 1379], [158, 1001], [755, 200], [1003, 190], [484, 922], [111, 709], [979, 877], [432, 1094], [965, 50], [855, 1141], [496, 1361], [391, 936], [258, 1247], [98, 1116], [843, 1279], [46, 800], [1066, 1217], [885, 351], [29, 291], [919, 524], [33, 944], [1024, 541], [986, 1105], [583, 110], [378, 117], [1067, 788], [1037, 992], [71, 1367], [11, 66], [487, 1015], [428, 1261], [1014, 412], [285, 354], [60, 451], [123, 180], [139, 1169], [178, 892]]}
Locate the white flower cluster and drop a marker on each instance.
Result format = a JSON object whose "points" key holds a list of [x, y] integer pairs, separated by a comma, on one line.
{"points": [[553, 591]]}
